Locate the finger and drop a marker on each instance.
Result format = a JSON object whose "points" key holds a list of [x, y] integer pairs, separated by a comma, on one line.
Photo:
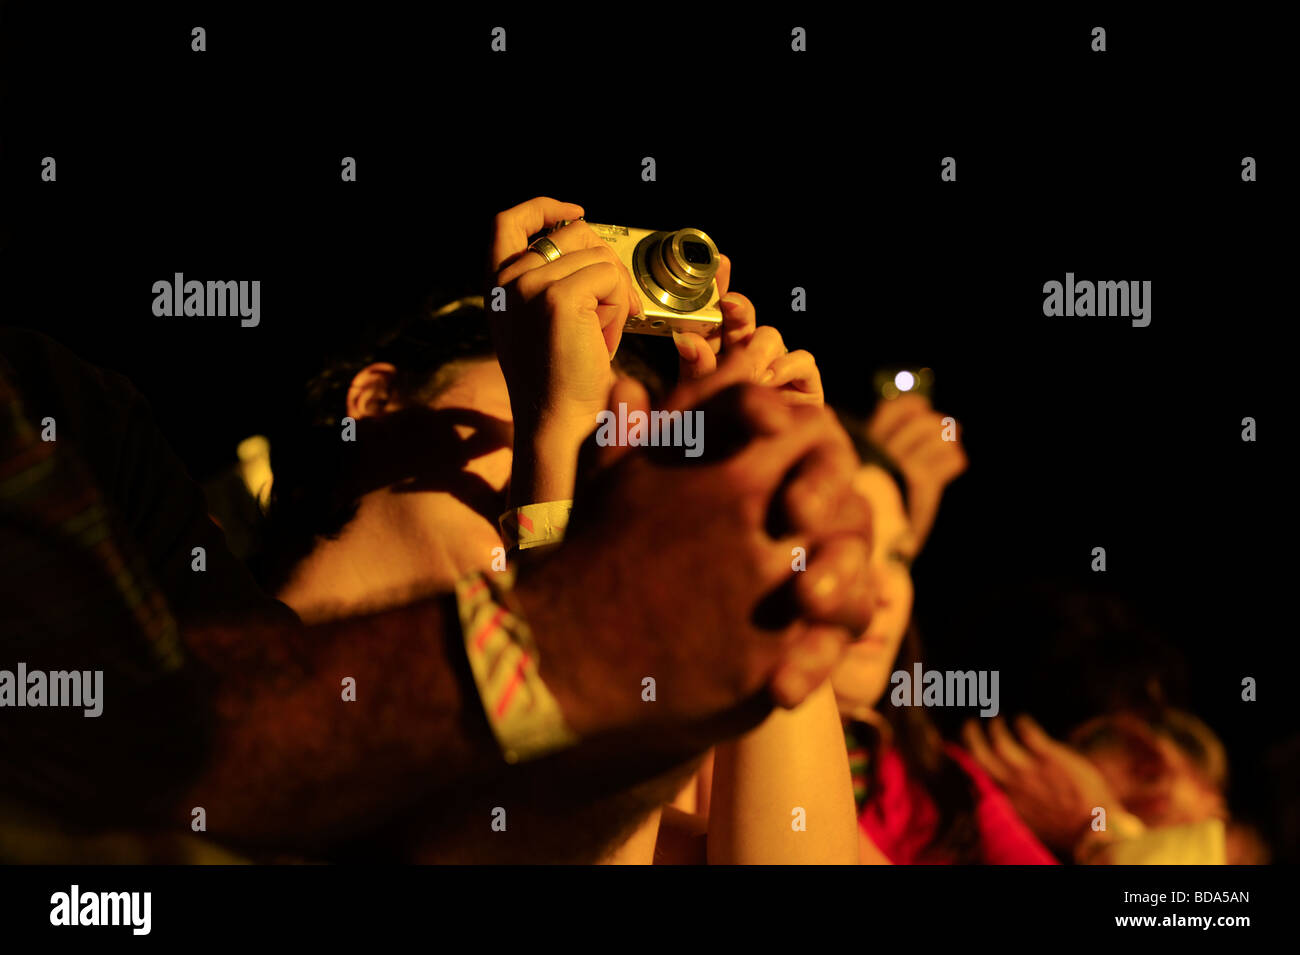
{"points": [[612, 330], [818, 489], [758, 412], [582, 247], [764, 346], [836, 588], [735, 417], [595, 290], [697, 358], [739, 319], [795, 397], [513, 226], [723, 276], [714, 339], [580, 275], [1035, 737], [767, 460], [735, 368], [613, 314], [977, 745], [893, 413], [808, 662], [913, 436], [797, 369], [531, 281], [571, 238], [580, 235], [1007, 747], [575, 238], [948, 458]]}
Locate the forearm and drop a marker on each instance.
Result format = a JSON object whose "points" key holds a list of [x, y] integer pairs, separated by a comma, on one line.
{"points": [[545, 463], [792, 767], [296, 763], [923, 508]]}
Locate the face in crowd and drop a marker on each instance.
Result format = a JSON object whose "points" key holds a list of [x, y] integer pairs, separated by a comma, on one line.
{"points": [[862, 676]]}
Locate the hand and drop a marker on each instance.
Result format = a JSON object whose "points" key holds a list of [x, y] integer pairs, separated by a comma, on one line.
{"points": [[562, 324], [1052, 786], [794, 374], [669, 570], [816, 491], [911, 432]]}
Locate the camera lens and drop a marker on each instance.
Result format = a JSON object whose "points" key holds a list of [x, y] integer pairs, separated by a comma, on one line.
{"points": [[697, 253], [681, 266], [676, 269]]}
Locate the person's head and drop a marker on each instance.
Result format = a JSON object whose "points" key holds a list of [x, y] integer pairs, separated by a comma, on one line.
{"points": [[431, 443], [1167, 769], [891, 642], [863, 673], [430, 428]]}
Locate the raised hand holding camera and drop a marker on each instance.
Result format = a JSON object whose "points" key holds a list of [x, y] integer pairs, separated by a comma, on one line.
{"points": [[566, 301]]}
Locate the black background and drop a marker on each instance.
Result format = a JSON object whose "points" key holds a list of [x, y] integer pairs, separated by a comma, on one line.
{"points": [[819, 170]]}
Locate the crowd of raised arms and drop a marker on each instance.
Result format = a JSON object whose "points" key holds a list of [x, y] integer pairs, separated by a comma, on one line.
{"points": [[479, 631]]}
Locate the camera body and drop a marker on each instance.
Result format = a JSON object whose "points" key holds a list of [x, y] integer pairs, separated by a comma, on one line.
{"points": [[673, 273]]}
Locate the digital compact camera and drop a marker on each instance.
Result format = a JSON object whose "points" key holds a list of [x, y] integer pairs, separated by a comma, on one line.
{"points": [[673, 273]]}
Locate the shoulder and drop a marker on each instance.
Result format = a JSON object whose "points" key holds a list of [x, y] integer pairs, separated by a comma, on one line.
{"points": [[88, 403]]}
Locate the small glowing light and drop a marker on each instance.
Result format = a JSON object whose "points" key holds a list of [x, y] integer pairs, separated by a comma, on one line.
{"points": [[904, 381]]}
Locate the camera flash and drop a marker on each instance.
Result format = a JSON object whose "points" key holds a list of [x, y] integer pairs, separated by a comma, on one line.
{"points": [[904, 381]]}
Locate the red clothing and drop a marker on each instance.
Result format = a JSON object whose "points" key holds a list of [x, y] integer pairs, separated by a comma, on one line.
{"points": [[901, 818]]}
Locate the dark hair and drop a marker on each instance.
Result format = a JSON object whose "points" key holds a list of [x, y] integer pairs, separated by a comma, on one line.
{"points": [[868, 451], [312, 494], [917, 740]]}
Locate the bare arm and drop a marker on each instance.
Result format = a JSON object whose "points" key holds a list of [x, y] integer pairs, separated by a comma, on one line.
{"points": [[294, 764], [792, 768]]}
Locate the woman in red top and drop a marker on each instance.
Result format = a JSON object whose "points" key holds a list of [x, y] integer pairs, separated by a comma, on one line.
{"points": [[920, 800]]}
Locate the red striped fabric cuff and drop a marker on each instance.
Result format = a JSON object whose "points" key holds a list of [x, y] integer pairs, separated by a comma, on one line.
{"points": [[535, 525], [524, 716]]}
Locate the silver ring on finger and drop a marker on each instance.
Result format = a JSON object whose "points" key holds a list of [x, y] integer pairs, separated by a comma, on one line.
{"points": [[547, 249]]}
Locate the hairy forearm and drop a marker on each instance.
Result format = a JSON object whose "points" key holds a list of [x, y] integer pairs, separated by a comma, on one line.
{"points": [[295, 763], [792, 768], [295, 766]]}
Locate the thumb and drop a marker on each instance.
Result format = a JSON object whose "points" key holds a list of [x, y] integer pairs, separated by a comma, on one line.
{"points": [[697, 358]]}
